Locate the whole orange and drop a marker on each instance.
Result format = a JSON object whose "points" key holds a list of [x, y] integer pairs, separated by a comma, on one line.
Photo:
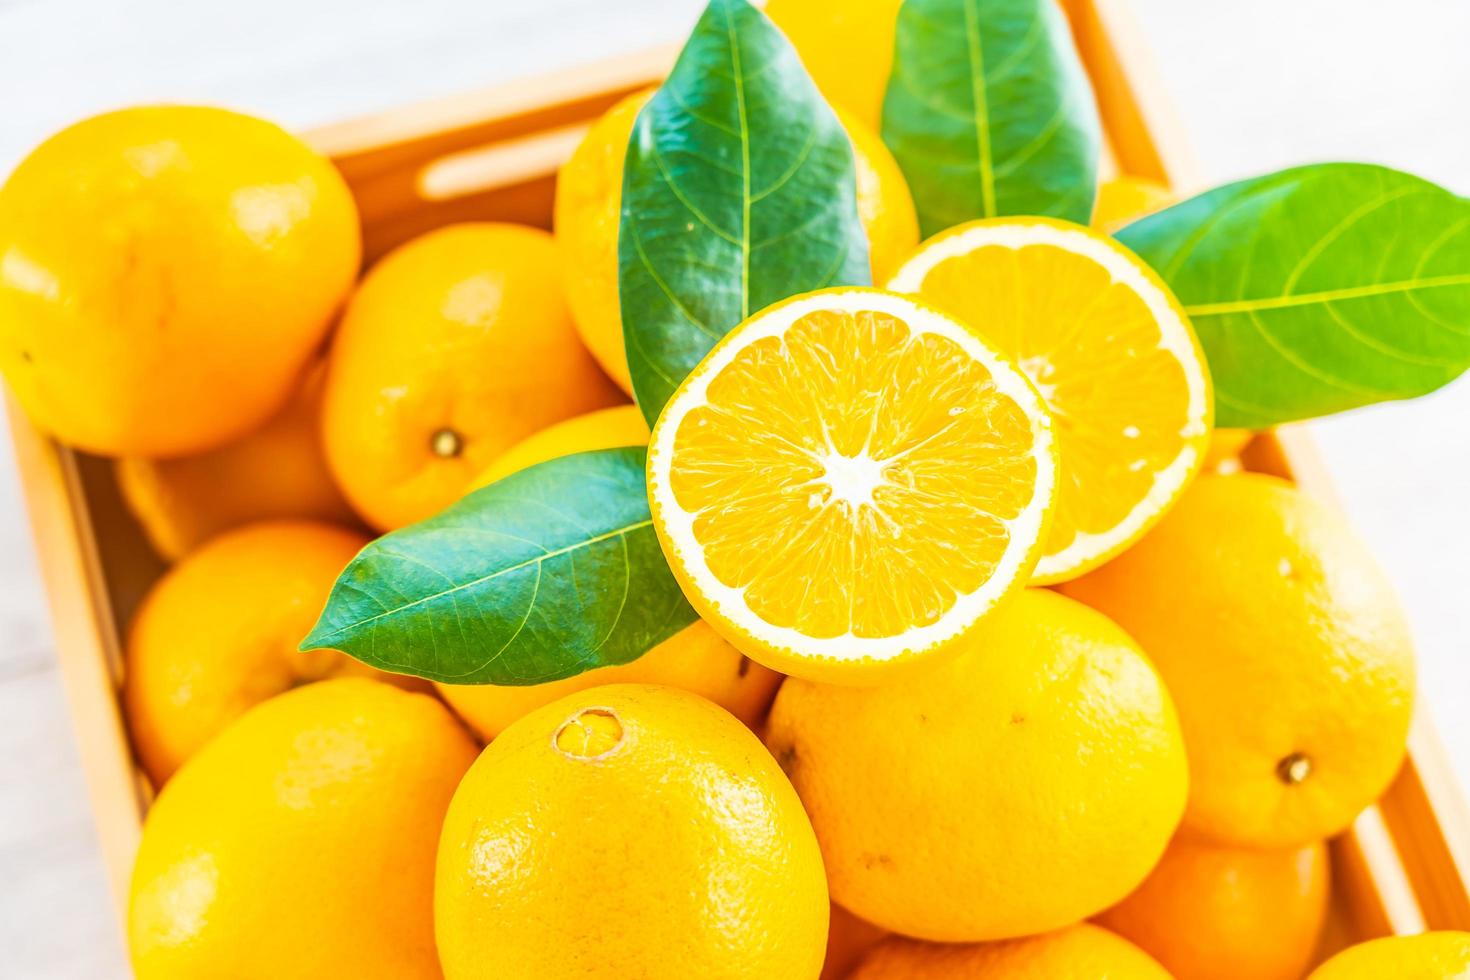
{"points": [[165, 273], [456, 346], [300, 843], [589, 193], [1080, 952], [1222, 913], [218, 634], [277, 471], [1029, 781], [628, 831], [1286, 652]]}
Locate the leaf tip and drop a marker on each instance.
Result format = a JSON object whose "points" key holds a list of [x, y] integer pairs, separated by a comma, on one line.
{"points": [[316, 639]]}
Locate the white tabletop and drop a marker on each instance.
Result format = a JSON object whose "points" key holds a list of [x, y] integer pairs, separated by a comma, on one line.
{"points": [[1260, 84]]}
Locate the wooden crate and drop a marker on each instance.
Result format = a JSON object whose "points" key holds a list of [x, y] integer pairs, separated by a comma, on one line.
{"points": [[493, 154]]}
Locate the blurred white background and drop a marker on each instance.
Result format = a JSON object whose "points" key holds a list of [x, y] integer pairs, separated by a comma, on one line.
{"points": [[1259, 84]]}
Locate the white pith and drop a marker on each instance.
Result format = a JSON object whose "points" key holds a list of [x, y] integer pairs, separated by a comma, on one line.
{"points": [[851, 478], [1176, 337]]}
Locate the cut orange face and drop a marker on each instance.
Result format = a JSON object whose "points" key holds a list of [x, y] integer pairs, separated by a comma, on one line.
{"points": [[850, 481], [1110, 350]]}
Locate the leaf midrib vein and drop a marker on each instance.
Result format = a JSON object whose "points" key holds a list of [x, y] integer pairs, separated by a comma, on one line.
{"points": [[981, 107], [1326, 296], [536, 560], [745, 202]]}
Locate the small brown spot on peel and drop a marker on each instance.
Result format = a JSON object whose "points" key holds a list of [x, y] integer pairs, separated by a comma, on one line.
{"points": [[785, 757]]}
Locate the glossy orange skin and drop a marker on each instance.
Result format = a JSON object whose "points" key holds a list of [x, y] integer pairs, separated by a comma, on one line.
{"points": [[1226, 445], [846, 46], [300, 844], [1282, 643], [1222, 913], [628, 831], [606, 428], [1081, 952], [165, 273], [1029, 781], [1430, 956], [695, 659], [461, 331], [278, 471], [1125, 199], [219, 632]]}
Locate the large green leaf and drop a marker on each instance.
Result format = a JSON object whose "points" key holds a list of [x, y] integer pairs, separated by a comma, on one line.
{"points": [[739, 190], [990, 112], [1320, 288], [547, 573]]}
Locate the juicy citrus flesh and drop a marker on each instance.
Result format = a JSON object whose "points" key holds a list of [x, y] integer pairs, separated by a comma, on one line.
{"points": [[1441, 955], [301, 842], [1285, 649], [589, 191], [1081, 952], [1112, 353], [1220, 913], [628, 831], [850, 478], [219, 632], [1029, 781], [695, 659]]}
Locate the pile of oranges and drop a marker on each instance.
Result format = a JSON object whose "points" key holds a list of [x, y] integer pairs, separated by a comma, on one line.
{"points": [[1128, 775]]}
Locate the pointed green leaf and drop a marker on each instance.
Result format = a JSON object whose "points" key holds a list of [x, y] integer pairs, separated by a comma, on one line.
{"points": [[1318, 289], [547, 573], [989, 112], [739, 190]]}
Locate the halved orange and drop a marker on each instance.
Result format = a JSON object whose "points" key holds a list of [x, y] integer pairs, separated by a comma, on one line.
{"points": [[1112, 353], [850, 481]]}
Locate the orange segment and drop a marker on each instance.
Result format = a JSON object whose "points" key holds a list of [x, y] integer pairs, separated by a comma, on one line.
{"points": [[1112, 354], [849, 479]]}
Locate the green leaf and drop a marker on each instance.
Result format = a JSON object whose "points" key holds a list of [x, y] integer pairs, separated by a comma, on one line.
{"points": [[989, 112], [739, 190], [1318, 289], [547, 573]]}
